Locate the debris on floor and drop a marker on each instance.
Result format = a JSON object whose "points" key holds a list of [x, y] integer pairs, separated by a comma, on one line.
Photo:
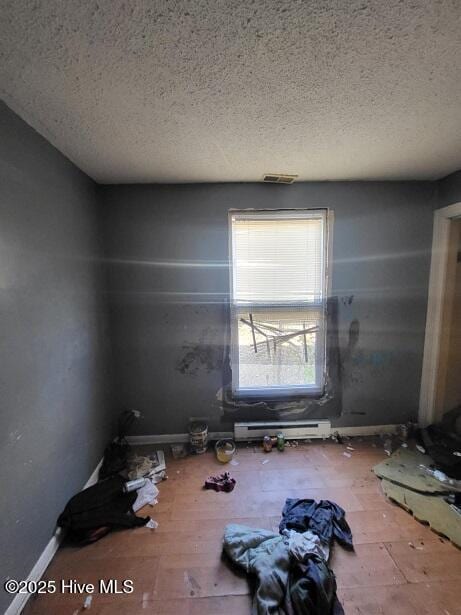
{"points": [[442, 477], [225, 450], [433, 510], [443, 443], [116, 452], [141, 466], [198, 435], [147, 495], [388, 446], [87, 602], [134, 485], [403, 431], [222, 482], [179, 451], [126, 484], [454, 499], [411, 479], [280, 441], [267, 444], [404, 468], [297, 557], [159, 477]]}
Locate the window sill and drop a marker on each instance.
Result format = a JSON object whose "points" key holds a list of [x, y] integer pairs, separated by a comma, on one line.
{"points": [[278, 394]]}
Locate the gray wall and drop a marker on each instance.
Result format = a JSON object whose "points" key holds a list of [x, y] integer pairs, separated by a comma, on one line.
{"points": [[53, 380], [168, 256], [449, 190]]}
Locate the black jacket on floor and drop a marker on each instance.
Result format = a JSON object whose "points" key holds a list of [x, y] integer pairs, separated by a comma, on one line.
{"points": [[324, 518], [312, 589], [102, 505]]}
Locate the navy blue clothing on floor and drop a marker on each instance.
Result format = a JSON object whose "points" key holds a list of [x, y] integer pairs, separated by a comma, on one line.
{"points": [[324, 518]]}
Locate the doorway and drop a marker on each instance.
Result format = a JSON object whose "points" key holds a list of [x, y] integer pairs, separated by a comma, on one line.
{"points": [[441, 377]]}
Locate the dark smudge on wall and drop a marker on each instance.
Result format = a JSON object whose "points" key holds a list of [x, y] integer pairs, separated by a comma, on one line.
{"points": [[327, 405], [201, 356]]}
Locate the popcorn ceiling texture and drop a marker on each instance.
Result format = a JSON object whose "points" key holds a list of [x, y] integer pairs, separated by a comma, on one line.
{"points": [[213, 90]]}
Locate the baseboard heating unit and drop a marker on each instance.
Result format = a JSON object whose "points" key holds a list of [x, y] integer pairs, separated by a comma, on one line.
{"points": [[292, 430]]}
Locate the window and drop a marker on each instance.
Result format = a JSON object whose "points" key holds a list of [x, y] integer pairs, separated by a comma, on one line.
{"points": [[278, 302]]}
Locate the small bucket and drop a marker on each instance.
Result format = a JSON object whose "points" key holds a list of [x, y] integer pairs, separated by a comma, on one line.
{"points": [[225, 450], [198, 434]]}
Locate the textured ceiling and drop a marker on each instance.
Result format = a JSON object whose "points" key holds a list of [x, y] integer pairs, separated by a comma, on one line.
{"points": [[226, 90]]}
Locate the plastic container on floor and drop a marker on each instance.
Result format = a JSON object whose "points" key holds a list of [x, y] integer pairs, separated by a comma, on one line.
{"points": [[225, 450], [198, 434]]}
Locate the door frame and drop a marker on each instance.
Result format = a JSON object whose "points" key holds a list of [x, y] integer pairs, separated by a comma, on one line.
{"points": [[437, 284]]}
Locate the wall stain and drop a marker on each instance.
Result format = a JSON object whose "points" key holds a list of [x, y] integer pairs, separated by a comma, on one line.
{"points": [[353, 340], [200, 356], [327, 406], [347, 362]]}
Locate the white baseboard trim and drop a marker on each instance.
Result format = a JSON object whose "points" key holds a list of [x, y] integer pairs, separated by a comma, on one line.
{"points": [[45, 558], [367, 430], [173, 438], [94, 477]]}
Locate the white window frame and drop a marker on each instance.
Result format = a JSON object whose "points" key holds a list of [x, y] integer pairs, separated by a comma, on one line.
{"points": [[317, 389]]}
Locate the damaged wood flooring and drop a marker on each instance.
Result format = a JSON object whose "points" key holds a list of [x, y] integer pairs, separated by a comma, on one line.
{"points": [[400, 567]]}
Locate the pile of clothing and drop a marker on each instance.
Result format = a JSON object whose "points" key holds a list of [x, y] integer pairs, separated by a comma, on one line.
{"points": [[113, 501], [442, 442], [94, 512], [291, 567]]}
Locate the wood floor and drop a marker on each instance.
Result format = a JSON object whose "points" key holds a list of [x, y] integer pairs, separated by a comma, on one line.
{"points": [[400, 567]]}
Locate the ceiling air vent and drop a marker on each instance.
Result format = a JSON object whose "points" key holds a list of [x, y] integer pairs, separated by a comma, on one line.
{"points": [[278, 178]]}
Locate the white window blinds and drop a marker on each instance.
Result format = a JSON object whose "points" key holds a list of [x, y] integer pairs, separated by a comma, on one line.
{"points": [[278, 257]]}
